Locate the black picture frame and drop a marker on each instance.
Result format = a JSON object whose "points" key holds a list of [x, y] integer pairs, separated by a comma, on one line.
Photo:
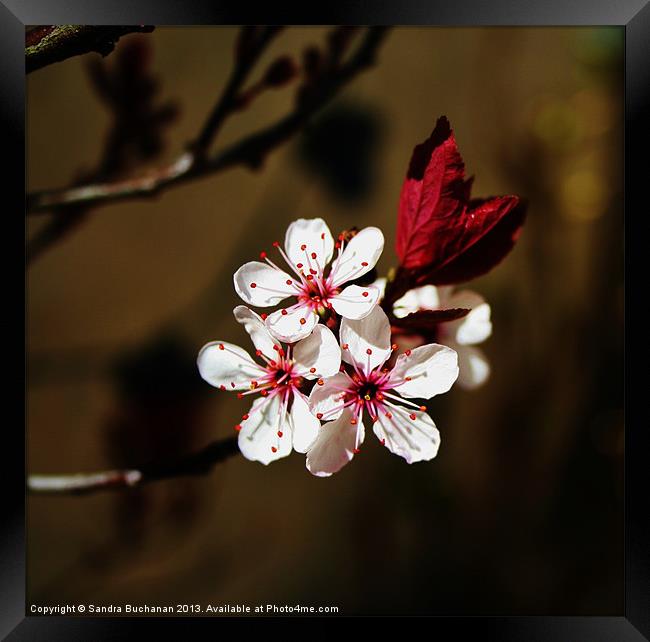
{"points": [[634, 15]]}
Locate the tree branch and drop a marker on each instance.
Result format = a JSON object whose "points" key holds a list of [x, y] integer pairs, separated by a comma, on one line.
{"points": [[198, 463], [54, 43], [251, 151]]}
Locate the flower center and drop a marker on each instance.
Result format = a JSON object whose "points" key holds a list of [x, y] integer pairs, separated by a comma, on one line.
{"points": [[367, 391]]}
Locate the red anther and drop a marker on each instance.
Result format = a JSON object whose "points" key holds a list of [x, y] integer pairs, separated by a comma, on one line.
{"points": [[274, 385], [379, 396], [389, 415], [276, 347], [263, 316], [273, 363], [322, 236], [345, 346], [302, 321], [394, 346], [298, 265], [276, 244], [356, 451], [303, 246], [274, 449], [264, 393], [284, 312], [237, 427], [353, 421], [364, 263], [262, 255], [312, 370], [281, 352], [232, 384], [289, 281], [313, 255], [240, 395], [407, 353], [341, 237], [383, 442], [312, 271], [412, 416], [221, 346], [364, 294], [319, 415], [320, 382], [279, 433], [245, 417], [254, 384], [258, 353], [222, 387], [423, 408], [337, 245], [368, 351], [309, 277], [407, 378]]}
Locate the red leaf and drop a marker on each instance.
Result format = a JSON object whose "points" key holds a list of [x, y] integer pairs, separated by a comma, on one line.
{"points": [[488, 251], [441, 234], [432, 193]]}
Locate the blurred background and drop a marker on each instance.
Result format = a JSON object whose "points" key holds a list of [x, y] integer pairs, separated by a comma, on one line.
{"points": [[522, 510]]}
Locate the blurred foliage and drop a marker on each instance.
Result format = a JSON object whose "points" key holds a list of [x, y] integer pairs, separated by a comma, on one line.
{"points": [[340, 150]]}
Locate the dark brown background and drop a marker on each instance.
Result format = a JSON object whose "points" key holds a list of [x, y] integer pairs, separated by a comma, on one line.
{"points": [[520, 513]]}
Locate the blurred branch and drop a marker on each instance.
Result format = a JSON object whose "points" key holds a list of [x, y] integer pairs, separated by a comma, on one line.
{"points": [[250, 151], [55, 43], [130, 92], [250, 47], [198, 463]]}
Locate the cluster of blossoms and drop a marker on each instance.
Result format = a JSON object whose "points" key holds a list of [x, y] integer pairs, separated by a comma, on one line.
{"points": [[327, 360]]}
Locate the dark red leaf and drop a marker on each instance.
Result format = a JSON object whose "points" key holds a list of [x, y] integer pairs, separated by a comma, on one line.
{"points": [[432, 196], [442, 235], [488, 251]]}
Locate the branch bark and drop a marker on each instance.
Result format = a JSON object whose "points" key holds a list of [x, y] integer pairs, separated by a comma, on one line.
{"points": [[198, 463], [250, 151], [55, 43]]}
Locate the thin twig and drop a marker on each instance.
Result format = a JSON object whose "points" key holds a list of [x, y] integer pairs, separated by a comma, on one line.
{"points": [[251, 151], [198, 463], [55, 43], [244, 62]]}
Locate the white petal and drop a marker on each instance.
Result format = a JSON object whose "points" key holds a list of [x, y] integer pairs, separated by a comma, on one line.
{"points": [[259, 333], [370, 333], [225, 364], [315, 236], [270, 285], [324, 399], [366, 247], [334, 446], [474, 367], [380, 284], [259, 433], [319, 351], [288, 327], [406, 305], [355, 302], [414, 439], [304, 426], [422, 298], [476, 326], [432, 370]]}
